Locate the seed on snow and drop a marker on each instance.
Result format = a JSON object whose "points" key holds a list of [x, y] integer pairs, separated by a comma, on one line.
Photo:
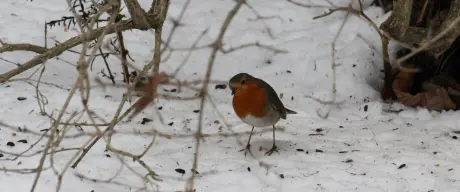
{"points": [[145, 120], [348, 161], [402, 166], [221, 86], [181, 171], [196, 172]]}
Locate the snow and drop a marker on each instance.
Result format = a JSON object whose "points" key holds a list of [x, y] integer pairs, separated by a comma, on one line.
{"points": [[365, 145]]}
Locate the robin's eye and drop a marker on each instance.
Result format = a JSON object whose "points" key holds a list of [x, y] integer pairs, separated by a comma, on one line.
{"points": [[243, 82]]}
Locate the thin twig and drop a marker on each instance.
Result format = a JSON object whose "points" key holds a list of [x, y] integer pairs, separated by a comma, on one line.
{"points": [[217, 46]]}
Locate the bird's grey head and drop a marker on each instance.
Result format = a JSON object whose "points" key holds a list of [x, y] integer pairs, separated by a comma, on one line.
{"points": [[238, 81]]}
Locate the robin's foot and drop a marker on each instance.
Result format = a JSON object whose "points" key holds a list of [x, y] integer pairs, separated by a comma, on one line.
{"points": [[247, 149], [273, 149]]}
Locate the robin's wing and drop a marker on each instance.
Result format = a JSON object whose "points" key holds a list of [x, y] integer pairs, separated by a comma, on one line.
{"points": [[273, 99]]}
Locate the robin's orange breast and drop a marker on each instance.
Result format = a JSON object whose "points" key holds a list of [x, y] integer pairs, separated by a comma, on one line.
{"points": [[251, 101]]}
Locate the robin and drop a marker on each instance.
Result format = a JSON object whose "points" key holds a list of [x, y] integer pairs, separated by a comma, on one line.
{"points": [[256, 103]]}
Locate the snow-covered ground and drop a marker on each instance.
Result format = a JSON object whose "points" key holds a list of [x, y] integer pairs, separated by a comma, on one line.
{"points": [[363, 145]]}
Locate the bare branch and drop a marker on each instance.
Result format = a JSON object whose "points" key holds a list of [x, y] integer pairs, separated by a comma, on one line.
{"points": [[138, 15], [217, 45], [256, 44], [59, 49], [22, 47]]}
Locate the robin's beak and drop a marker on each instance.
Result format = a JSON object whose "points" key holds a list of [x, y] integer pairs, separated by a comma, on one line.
{"points": [[234, 87]]}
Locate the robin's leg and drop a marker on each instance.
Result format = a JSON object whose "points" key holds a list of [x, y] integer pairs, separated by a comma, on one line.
{"points": [[248, 146], [274, 148]]}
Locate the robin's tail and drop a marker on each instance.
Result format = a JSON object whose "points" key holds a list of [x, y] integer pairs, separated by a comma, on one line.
{"points": [[288, 111]]}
